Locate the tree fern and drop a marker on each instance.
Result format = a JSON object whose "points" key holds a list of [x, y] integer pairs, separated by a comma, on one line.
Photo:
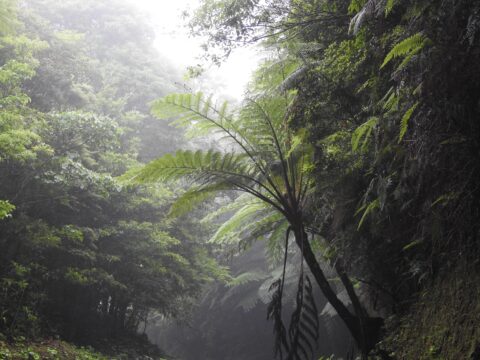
{"points": [[269, 163], [302, 334]]}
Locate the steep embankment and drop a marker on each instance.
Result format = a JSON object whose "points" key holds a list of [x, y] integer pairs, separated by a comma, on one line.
{"points": [[443, 324]]}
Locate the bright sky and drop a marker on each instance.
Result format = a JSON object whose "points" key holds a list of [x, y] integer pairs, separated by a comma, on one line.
{"points": [[174, 42]]}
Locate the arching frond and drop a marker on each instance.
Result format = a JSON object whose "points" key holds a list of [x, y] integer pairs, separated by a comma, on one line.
{"points": [[361, 135], [195, 196], [204, 165], [200, 116], [259, 130], [232, 206], [263, 120], [244, 217], [262, 229], [275, 247], [247, 277], [406, 48]]}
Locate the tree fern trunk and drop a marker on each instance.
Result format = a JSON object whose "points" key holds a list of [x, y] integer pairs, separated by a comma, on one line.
{"points": [[364, 330]]}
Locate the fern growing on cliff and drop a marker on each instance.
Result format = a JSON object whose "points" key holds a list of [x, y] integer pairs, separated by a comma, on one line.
{"points": [[406, 48]]}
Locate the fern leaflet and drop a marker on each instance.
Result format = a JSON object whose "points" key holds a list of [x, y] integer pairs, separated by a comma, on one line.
{"points": [[406, 48], [363, 132], [404, 122]]}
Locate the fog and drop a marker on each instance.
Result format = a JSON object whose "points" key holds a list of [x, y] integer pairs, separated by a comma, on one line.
{"points": [[175, 42]]}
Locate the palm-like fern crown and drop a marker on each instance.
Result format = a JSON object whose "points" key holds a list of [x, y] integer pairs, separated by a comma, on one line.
{"points": [[266, 160]]}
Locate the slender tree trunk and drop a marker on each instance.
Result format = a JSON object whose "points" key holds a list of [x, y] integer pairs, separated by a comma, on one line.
{"points": [[357, 307], [365, 330]]}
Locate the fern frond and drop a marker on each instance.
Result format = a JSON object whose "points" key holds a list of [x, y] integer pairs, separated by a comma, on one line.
{"points": [[274, 312], [232, 206], [263, 124], [406, 48], [390, 101], [363, 132], [303, 329], [275, 247], [209, 165], [247, 277], [243, 289], [242, 217], [198, 115], [367, 209], [262, 227], [195, 196], [404, 122]]}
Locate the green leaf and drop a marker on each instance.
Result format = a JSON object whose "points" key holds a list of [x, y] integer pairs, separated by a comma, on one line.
{"points": [[363, 132], [412, 244], [406, 48], [375, 204], [389, 6], [404, 122], [5, 209]]}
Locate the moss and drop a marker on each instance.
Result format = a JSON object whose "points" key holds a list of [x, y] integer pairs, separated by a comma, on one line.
{"points": [[443, 324]]}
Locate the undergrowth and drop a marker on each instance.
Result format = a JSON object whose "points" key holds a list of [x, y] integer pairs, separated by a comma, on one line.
{"points": [[443, 324], [52, 349]]}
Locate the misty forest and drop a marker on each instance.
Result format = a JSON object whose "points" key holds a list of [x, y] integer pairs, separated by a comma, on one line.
{"points": [[329, 212]]}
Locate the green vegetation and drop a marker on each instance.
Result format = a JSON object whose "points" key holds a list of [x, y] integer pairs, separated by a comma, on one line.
{"points": [[51, 349], [83, 257], [344, 186]]}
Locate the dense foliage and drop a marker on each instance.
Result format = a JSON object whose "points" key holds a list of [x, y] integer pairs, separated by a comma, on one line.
{"points": [[84, 257], [353, 161]]}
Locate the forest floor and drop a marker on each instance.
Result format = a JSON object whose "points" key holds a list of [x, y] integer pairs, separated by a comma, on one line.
{"points": [[52, 349], [46, 349]]}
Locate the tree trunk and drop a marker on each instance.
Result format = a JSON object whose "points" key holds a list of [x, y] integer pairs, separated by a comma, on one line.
{"points": [[364, 329]]}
